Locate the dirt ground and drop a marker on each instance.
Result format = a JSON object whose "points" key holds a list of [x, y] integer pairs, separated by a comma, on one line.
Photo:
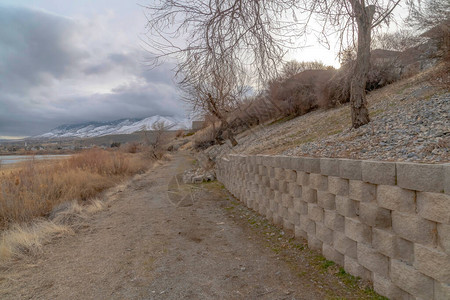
{"points": [[159, 239]]}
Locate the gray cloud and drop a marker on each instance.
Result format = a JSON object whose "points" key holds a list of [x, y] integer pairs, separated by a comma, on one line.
{"points": [[49, 78], [34, 47]]}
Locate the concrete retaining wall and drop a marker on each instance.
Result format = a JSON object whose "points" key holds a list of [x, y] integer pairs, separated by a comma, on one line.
{"points": [[382, 221]]}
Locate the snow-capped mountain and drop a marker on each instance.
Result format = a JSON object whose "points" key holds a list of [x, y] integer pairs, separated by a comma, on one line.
{"points": [[122, 126]]}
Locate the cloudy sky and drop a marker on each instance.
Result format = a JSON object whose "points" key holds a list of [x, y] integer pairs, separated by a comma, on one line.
{"points": [[64, 62], [74, 61]]}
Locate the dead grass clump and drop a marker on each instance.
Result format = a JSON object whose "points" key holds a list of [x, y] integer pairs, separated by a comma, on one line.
{"points": [[21, 240], [28, 239], [35, 189]]}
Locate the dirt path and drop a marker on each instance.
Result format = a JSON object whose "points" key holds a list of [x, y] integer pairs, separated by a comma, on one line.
{"points": [[151, 244]]}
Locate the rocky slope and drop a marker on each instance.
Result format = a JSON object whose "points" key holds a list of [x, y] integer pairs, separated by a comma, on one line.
{"points": [[410, 121]]}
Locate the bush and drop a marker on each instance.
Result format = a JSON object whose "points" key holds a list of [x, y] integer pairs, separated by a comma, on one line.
{"points": [[301, 93]]}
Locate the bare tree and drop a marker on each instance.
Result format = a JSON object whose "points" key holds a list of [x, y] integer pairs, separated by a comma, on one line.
{"points": [[294, 67], [397, 41], [215, 89], [156, 140], [432, 16], [253, 36], [426, 14]]}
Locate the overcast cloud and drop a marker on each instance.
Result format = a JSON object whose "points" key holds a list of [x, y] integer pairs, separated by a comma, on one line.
{"points": [[57, 69]]}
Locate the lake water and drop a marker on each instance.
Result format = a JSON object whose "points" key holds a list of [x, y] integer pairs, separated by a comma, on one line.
{"points": [[12, 159]]}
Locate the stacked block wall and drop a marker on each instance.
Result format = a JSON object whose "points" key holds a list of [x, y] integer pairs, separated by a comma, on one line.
{"points": [[383, 221]]}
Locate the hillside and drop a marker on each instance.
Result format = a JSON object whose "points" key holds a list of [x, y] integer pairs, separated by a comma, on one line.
{"points": [[409, 122]]}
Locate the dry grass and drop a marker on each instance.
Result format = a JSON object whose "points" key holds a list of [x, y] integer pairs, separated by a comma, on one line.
{"points": [[23, 240], [27, 239], [36, 189]]}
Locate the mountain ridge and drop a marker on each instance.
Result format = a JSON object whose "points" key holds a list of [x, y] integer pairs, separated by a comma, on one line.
{"points": [[120, 126]]}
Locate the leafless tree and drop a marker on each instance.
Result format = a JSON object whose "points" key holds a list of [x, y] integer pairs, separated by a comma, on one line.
{"points": [[253, 36], [214, 89], [432, 16], [397, 41], [294, 67], [426, 14]]}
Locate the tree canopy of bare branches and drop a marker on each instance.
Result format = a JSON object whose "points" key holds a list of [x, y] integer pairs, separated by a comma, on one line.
{"points": [[251, 37]]}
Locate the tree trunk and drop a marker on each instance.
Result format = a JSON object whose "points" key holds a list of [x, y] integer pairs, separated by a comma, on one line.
{"points": [[359, 111], [215, 111]]}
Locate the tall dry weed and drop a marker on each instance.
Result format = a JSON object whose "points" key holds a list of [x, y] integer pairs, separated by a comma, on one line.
{"points": [[35, 189]]}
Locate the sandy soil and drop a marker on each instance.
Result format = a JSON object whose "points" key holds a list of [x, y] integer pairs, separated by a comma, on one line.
{"points": [[161, 240]]}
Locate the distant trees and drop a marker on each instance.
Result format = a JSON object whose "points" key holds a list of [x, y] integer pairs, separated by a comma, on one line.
{"points": [[432, 16], [294, 67], [397, 41], [251, 37]]}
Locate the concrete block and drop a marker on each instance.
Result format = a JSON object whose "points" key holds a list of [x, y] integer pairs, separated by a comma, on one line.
{"points": [[420, 177], [324, 234], [287, 224], [291, 175], [295, 190], [432, 262], [441, 290], [284, 161], [273, 183], [302, 178], [362, 191], [396, 198], [350, 169], [311, 165], [358, 231], [279, 174], [318, 182], [373, 215], [414, 228], [329, 166], [387, 288], [308, 225], [314, 243], [409, 279], [262, 170], [371, 259], [315, 212], [326, 200], [443, 232], [352, 266], [283, 186], [434, 206], [294, 217], [287, 200], [297, 163], [387, 243], [300, 206], [283, 211], [344, 245], [345, 206], [271, 172], [333, 220], [338, 186], [299, 233], [446, 178], [378, 172], [331, 254], [309, 195], [258, 159]]}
